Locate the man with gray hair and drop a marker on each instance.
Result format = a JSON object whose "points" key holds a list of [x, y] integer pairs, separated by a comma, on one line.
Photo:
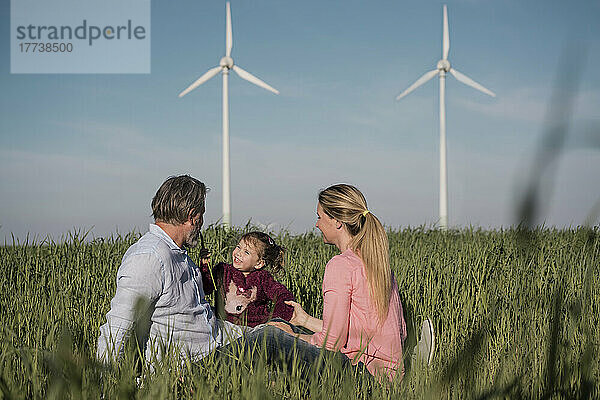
{"points": [[160, 287]]}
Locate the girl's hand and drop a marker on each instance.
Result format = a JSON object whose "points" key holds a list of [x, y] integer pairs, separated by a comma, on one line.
{"points": [[300, 317], [204, 258]]}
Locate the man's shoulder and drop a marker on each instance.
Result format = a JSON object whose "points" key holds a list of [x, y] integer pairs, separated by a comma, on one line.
{"points": [[150, 243]]}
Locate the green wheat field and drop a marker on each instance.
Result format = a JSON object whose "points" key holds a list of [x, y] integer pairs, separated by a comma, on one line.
{"points": [[516, 312]]}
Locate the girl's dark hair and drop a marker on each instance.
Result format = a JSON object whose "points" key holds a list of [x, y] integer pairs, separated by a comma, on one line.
{"points": [[268, 251]]}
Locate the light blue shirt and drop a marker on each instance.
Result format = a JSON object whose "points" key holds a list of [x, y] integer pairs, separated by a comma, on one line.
{"points": [[157, 271]]}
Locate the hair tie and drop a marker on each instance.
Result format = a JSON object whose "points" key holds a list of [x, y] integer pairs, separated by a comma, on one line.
{"points": [[364, 213], [271, 241]]}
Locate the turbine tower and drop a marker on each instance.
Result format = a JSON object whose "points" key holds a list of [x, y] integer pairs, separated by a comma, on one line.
{"points": [[225, 65], [443, 66]]}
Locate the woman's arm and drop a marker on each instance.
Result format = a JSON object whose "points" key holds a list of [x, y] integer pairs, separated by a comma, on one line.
{"points": [[337, 292], [332, 331], [304, 337], [301, 318]]}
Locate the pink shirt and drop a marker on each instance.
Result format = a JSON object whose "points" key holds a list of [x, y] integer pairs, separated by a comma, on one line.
{"points": [[350, 320]]}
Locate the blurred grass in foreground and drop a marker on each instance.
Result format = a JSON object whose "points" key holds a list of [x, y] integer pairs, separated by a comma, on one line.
{"points": [[516, 312]]}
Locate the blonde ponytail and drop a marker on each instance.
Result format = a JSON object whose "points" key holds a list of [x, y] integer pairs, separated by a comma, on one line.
{"points": [[347, 204]]}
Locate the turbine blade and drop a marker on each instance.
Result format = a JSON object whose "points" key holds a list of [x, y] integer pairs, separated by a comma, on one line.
{"points": [[228, 32], [446, 38], [252, 79], [468, 81], [426, 76], [207, 75]]}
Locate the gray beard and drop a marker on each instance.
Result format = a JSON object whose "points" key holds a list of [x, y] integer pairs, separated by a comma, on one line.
{"points": [[192, 240]]}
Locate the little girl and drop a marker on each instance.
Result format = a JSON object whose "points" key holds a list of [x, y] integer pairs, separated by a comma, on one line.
{"points": [[246, 290]]}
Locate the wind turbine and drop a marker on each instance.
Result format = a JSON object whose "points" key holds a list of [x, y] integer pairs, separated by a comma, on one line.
{"points": [[225, 65], [443, 66]]}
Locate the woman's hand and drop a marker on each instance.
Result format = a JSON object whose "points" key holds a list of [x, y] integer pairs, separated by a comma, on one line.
{"points": [[299, 317], [287, 329], [283, 326]]}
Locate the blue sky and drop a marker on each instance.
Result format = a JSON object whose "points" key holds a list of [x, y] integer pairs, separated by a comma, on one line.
{"points": [[89, 151]]}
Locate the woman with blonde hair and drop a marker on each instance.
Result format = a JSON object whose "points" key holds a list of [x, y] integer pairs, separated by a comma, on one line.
{"points": [[362, 313], [363, 322]]}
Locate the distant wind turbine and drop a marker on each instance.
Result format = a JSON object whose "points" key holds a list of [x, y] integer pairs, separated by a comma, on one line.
{"points": [[225, 65], [443, 66]]}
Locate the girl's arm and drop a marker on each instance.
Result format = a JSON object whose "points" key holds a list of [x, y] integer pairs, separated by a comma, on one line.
{"points": [[208, 283], [279, 295]]}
